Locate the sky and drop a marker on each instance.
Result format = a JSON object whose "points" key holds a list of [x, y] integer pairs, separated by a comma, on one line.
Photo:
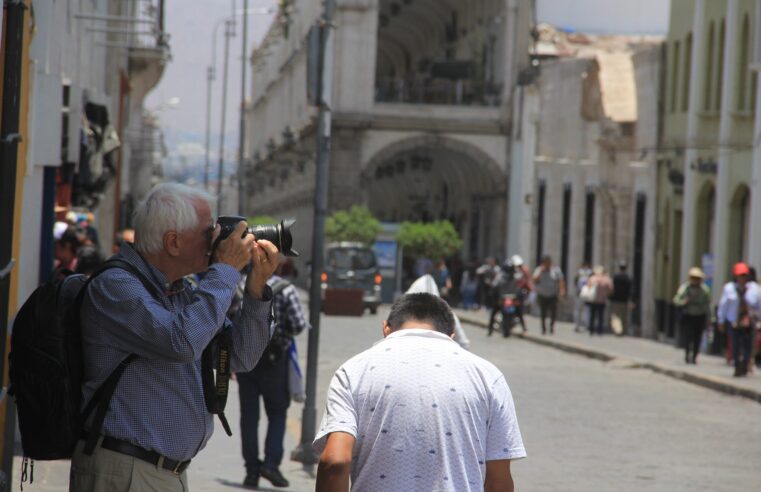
{"points": [[190, 24]]}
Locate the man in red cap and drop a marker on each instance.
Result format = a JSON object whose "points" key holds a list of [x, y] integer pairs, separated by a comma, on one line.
{"points": [[738, 311]]}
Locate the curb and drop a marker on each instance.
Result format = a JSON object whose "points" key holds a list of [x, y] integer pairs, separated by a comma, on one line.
{"points": [[709, 382]]}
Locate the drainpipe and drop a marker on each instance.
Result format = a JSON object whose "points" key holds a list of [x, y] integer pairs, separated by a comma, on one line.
{"points": [[10, 138]]}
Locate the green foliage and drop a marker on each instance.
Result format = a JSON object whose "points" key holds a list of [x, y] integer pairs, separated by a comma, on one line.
{"points": [[429, 239], [261, 220], [355, 224]]}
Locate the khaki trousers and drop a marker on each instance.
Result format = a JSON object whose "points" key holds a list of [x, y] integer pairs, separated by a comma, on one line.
{"points": [[108, 471]]}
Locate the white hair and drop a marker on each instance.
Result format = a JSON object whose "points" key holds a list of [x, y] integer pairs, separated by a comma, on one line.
{"points": [[167, 207]]}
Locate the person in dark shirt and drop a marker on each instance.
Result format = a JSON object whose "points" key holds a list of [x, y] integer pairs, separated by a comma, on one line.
{"points": [[620, 299]]}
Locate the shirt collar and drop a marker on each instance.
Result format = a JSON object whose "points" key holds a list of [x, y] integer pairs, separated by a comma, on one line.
{"points": [[419, 332], [128, 253]]}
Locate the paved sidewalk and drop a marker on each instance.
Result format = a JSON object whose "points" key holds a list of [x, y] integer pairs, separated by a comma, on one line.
{"points": [[711, 371]]}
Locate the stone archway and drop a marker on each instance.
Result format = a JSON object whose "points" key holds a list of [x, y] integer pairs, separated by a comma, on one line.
{"points": [[429, 177]]}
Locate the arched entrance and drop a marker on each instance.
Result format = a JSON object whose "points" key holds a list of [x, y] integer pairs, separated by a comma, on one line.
{"points": [[432, 178], [739, 214]]}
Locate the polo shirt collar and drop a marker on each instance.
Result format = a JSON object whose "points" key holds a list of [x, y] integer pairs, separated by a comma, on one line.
{"points": [[419, 332]]}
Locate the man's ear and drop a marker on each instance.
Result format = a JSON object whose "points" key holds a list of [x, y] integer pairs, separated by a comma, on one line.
{"points": [[452, 335], [172, 243], [386, 329]]}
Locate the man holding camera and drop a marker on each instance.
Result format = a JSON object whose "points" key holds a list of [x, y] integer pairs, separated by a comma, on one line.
{"points": [[157, 419]]}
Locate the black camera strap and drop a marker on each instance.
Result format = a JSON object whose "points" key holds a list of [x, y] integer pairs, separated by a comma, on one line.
{"points": [[216, 357]]}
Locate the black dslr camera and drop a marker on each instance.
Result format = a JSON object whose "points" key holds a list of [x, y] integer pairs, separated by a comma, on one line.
{"points": [[278, 234]]}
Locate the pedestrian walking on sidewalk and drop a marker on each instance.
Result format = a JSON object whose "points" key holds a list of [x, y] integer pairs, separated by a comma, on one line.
{"points": [[621, 299], [738, 310], [158, 420], [602, 287], [269, 380], [416, 412], [580, 313], [693, 298], [487, 293], [549, 284]]}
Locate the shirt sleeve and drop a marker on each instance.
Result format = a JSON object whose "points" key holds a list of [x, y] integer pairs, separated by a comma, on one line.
{"points": [[340, 412], [723, 306], [297, 322], [251, 331], [503, 438], [134, 321]]}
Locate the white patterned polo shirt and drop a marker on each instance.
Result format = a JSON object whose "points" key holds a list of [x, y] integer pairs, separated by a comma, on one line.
{"points": [[426, 415]]}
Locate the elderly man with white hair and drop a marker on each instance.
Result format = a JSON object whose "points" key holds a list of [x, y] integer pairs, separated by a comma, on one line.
{"points": [[157, 326]]}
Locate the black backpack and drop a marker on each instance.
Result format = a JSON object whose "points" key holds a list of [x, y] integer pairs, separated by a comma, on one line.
{"points": [[46, 367]]}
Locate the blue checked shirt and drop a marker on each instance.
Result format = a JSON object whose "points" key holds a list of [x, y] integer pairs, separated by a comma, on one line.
{"points": [[159, 403]]}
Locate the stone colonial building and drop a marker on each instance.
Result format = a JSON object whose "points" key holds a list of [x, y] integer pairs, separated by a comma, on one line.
{"points": [[583, 189], [423, 99], [709, 165]]}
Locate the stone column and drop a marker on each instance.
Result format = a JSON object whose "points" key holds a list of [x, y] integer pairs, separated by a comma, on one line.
{"points": [[723, 193], [522, 177], [356, 47], [345, 170], [755, 193], [691, 153]]}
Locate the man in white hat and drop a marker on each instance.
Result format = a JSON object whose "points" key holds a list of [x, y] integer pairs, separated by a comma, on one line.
{"points": [[694, 300]]}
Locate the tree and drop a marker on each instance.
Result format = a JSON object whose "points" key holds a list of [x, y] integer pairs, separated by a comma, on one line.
{"points": [[356, 224], [429, 239]]}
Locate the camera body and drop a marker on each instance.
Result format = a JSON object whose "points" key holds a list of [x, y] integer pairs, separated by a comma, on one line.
{"points": [[278, 234]]}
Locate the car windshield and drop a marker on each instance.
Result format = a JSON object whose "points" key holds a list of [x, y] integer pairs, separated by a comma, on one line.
{"points": [[351, 258]]}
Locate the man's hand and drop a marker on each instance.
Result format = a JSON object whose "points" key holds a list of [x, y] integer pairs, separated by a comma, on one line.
{"points": [[264, 259], [234, 250]]}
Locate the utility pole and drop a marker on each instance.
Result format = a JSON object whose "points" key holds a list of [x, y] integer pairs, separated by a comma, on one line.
{"points": [[229, 33], [324, 81], [207, 165], [242, 138]]}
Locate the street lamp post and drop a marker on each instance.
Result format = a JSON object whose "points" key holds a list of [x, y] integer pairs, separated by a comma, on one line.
{"points": [[210, 76], [242, 130], [229, 33]]}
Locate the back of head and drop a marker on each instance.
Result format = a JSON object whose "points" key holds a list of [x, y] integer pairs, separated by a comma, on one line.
{"points": [[168, 207], [426, 308], [71, 239], [88, 260]]}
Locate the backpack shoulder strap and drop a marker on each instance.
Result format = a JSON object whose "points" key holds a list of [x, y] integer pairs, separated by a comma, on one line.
{"points": [[280, 286], [117, 263]]}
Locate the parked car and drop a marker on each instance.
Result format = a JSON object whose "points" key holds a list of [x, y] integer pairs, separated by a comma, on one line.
{"points": [[350, 265]]}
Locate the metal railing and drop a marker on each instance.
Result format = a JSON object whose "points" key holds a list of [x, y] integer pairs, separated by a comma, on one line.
{"points": [[139, 25], [460, 92]]}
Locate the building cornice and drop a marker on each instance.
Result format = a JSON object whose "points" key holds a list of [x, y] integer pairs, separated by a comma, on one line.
{"points": [[429, 124]]}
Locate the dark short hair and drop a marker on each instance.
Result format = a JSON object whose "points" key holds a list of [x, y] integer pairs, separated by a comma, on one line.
{"points": [[70, 238], [88, 260], [546, 258], [426, 308]]}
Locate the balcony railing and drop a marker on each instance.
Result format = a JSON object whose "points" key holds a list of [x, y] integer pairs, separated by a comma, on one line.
{"points": [[438, 91]]}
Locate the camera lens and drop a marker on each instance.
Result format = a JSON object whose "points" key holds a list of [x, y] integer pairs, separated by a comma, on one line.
{"points": [[277, 234]]}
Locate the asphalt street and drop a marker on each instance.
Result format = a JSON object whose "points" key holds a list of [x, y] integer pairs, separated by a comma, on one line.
{"points": [[587, 425]]}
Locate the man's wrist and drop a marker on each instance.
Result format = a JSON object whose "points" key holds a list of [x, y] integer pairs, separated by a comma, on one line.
{"points": [[256, 289]]}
